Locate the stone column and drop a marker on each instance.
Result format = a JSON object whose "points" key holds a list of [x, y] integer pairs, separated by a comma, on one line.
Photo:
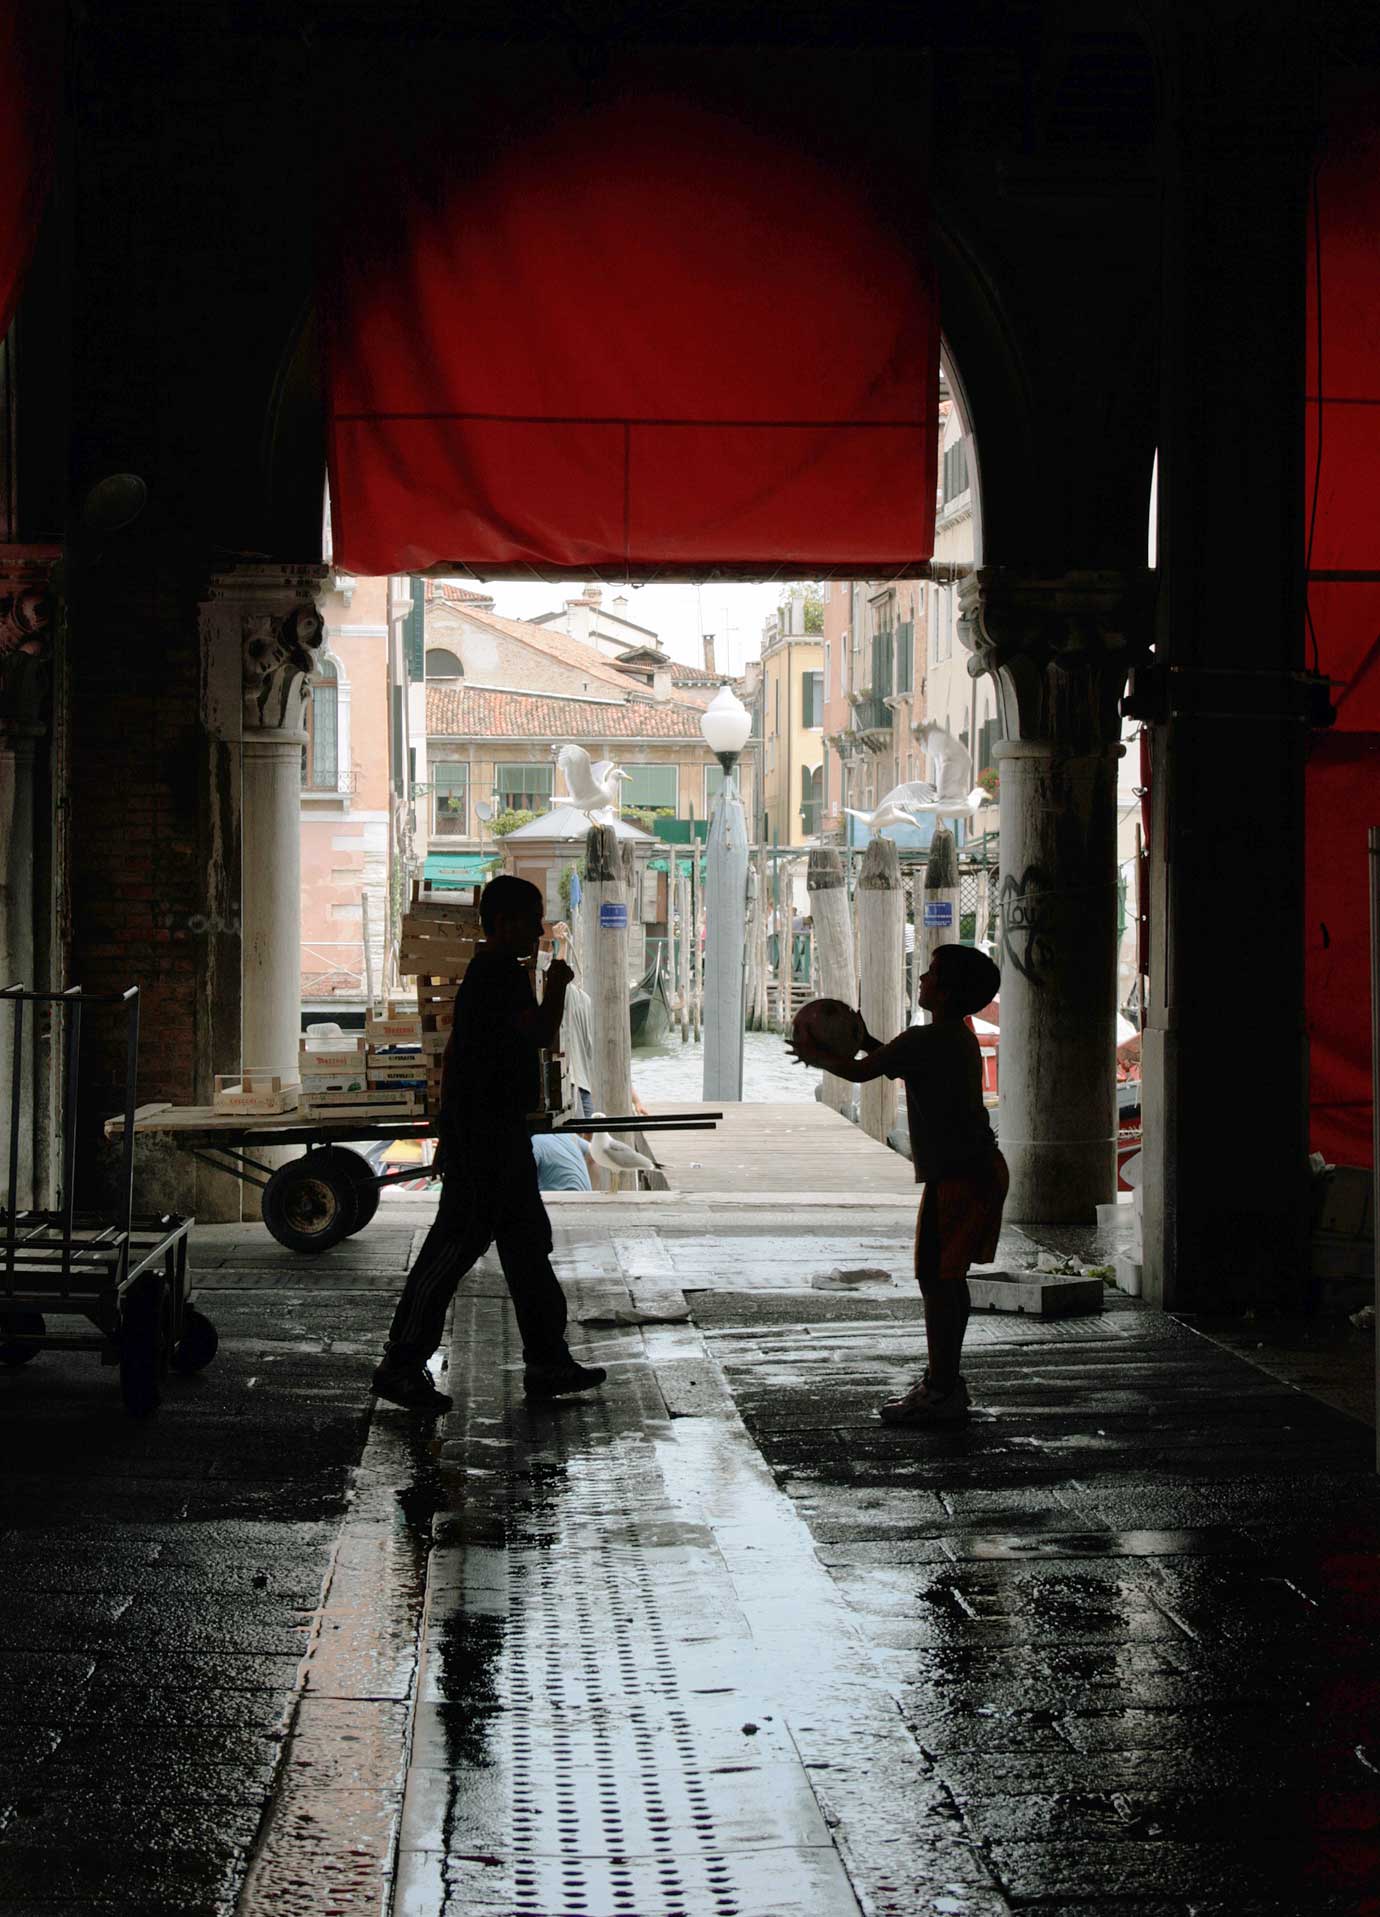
{"points": [[260, 634], [280, 634], [1059, 650], [26, 622]]}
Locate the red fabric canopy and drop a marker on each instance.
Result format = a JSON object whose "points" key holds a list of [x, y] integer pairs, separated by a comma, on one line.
{"points": [[662, 338], [30, 66], [1343, 778]]}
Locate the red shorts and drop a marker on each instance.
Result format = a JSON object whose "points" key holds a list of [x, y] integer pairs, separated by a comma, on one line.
{"points": [[960, 1220]]}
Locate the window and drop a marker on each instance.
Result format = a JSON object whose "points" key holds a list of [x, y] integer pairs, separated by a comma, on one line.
{"points": [[905, 653], [955, 470], [812, 698], [883, 653], [713, 786], [650, 788], [811, 797], [321, 754], [442, 663], [987, 739], [828, 683], [778, 705], [450, 799], [522, 788]]}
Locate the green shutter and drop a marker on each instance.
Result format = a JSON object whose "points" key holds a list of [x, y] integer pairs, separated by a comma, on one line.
{"points": [[414, 634]]}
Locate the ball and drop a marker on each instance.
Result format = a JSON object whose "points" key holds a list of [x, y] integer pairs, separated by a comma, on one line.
{"points": [[828, 1024]]}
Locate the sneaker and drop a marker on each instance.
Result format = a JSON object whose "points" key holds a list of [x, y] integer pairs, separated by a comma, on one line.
{"points": [[410, 1386], [554, 1380], [922, 1404]]}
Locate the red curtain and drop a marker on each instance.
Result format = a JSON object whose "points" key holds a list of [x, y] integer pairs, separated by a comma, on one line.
{"points": [[1343, 777], [30, 64], [661, 336]]}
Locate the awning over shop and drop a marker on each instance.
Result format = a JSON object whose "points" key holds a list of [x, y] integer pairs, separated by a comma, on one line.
{"points": [[1342, 481], [685, 328], [455, 869]]}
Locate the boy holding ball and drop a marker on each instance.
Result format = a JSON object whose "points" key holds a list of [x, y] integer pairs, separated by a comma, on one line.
{"points": [[956, 1159]]}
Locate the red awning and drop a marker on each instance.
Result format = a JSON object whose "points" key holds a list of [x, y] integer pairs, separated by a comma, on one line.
{"points": [[1343, 778], [30, 70], [661, 338]]}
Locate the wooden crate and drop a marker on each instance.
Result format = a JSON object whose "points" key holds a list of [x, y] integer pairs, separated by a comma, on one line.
{"points": [[261, 1094], [362, 1104]]}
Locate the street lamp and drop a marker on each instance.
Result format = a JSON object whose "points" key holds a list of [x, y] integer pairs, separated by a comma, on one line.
{"points": [[725, 724]]}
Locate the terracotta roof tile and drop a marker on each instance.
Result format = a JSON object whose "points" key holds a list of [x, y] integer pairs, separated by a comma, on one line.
{"points": [[480, 712]]}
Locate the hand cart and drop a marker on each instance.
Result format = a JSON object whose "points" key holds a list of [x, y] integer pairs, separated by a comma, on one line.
{"points": [[127, 1278], [330, 1192]]}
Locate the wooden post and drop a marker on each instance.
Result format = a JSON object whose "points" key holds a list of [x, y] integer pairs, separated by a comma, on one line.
{"points": [[683, 954], [760, 935], [983, 910], [833, 950], [881, 939], [606, 972], [941, 895], [917, 966]]}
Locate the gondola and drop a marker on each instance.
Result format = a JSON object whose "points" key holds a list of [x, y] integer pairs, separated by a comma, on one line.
{"points": [[649, 1009]]}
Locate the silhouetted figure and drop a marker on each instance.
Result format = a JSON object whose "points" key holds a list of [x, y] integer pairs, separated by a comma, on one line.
{"points": [[956, 1158], [489, 1193]]}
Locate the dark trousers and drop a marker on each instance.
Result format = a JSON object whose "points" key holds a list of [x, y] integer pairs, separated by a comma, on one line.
{"points": [[496, 1203]]}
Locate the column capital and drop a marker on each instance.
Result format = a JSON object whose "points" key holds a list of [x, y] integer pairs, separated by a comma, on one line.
{"points": [[1059, 647], [280, 633], [28, 622]]}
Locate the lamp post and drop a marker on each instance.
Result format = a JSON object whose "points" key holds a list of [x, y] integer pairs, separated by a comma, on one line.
{"points": [[725, 725]]}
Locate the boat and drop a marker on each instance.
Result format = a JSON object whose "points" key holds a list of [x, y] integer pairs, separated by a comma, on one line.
{"points": [[649, 1008]]}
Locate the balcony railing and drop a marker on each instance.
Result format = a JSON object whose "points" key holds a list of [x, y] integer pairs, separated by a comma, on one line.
{"points": [[872, 715], [342, 784]]}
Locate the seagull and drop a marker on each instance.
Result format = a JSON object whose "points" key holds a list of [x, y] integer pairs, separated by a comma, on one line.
{"points": [[614, 1155], [591, 788], [946, 796]]}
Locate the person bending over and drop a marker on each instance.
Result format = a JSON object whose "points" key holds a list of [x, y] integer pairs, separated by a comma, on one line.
{"points": [[489, 1195], [956, 1159]]}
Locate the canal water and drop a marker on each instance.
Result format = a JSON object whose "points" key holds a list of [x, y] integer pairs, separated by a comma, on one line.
{"points": [[670, 1070]]}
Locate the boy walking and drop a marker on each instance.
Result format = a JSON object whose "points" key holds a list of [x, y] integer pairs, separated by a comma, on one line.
{"points": [[956, 1159], [489, 1193]]}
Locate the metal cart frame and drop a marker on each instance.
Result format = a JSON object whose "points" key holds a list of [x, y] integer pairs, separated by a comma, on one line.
{"points": [[330, 1192], [128, 1278]]}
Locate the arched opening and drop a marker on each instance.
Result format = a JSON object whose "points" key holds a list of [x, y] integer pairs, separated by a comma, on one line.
{"points": [[321, 755], [442, 663]]}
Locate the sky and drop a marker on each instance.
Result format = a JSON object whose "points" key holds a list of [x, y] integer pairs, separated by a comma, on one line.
{"points": [[677, 614]]}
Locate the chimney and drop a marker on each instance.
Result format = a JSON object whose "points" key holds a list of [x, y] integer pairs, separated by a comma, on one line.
{"points": [[594, 593], [661, 681], [708, 643], [578, 618], [620, 605]]}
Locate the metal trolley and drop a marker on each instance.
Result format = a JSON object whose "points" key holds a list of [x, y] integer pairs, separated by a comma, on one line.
{"points": [[331, 1191], [127, 1278]]}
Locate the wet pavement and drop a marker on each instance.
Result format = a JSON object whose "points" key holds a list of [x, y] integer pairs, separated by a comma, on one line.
{"points": [[712, 1643]]}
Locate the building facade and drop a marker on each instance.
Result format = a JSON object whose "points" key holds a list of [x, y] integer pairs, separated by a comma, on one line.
{"points": [[791, 705]]}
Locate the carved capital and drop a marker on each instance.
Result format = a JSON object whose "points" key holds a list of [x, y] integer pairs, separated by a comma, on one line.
{"points": [[273, 613], [1059, 648], [28, 624]]}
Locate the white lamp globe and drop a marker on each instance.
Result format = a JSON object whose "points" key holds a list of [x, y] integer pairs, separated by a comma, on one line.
{"points": [[726, 724]]}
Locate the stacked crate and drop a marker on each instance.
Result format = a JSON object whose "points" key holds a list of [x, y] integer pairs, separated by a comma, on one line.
{"points": [[440, 931], [340, 1079]]}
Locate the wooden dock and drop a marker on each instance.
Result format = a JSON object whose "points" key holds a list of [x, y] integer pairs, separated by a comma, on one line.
{"points": [[799, 1148]]}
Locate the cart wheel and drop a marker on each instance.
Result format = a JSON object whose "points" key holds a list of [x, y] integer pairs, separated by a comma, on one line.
{"points": [[145, 1344], [16, 1325], [310, 1204], [197, 1346], [357, 1168]]}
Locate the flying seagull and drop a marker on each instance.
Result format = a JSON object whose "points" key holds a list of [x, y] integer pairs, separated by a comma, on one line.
{"points": [[614, 1155], [590, 787], [946, 796]]}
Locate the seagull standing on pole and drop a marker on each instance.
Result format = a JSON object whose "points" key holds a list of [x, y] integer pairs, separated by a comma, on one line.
{"points": [[592, 787], [946, 796]]}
